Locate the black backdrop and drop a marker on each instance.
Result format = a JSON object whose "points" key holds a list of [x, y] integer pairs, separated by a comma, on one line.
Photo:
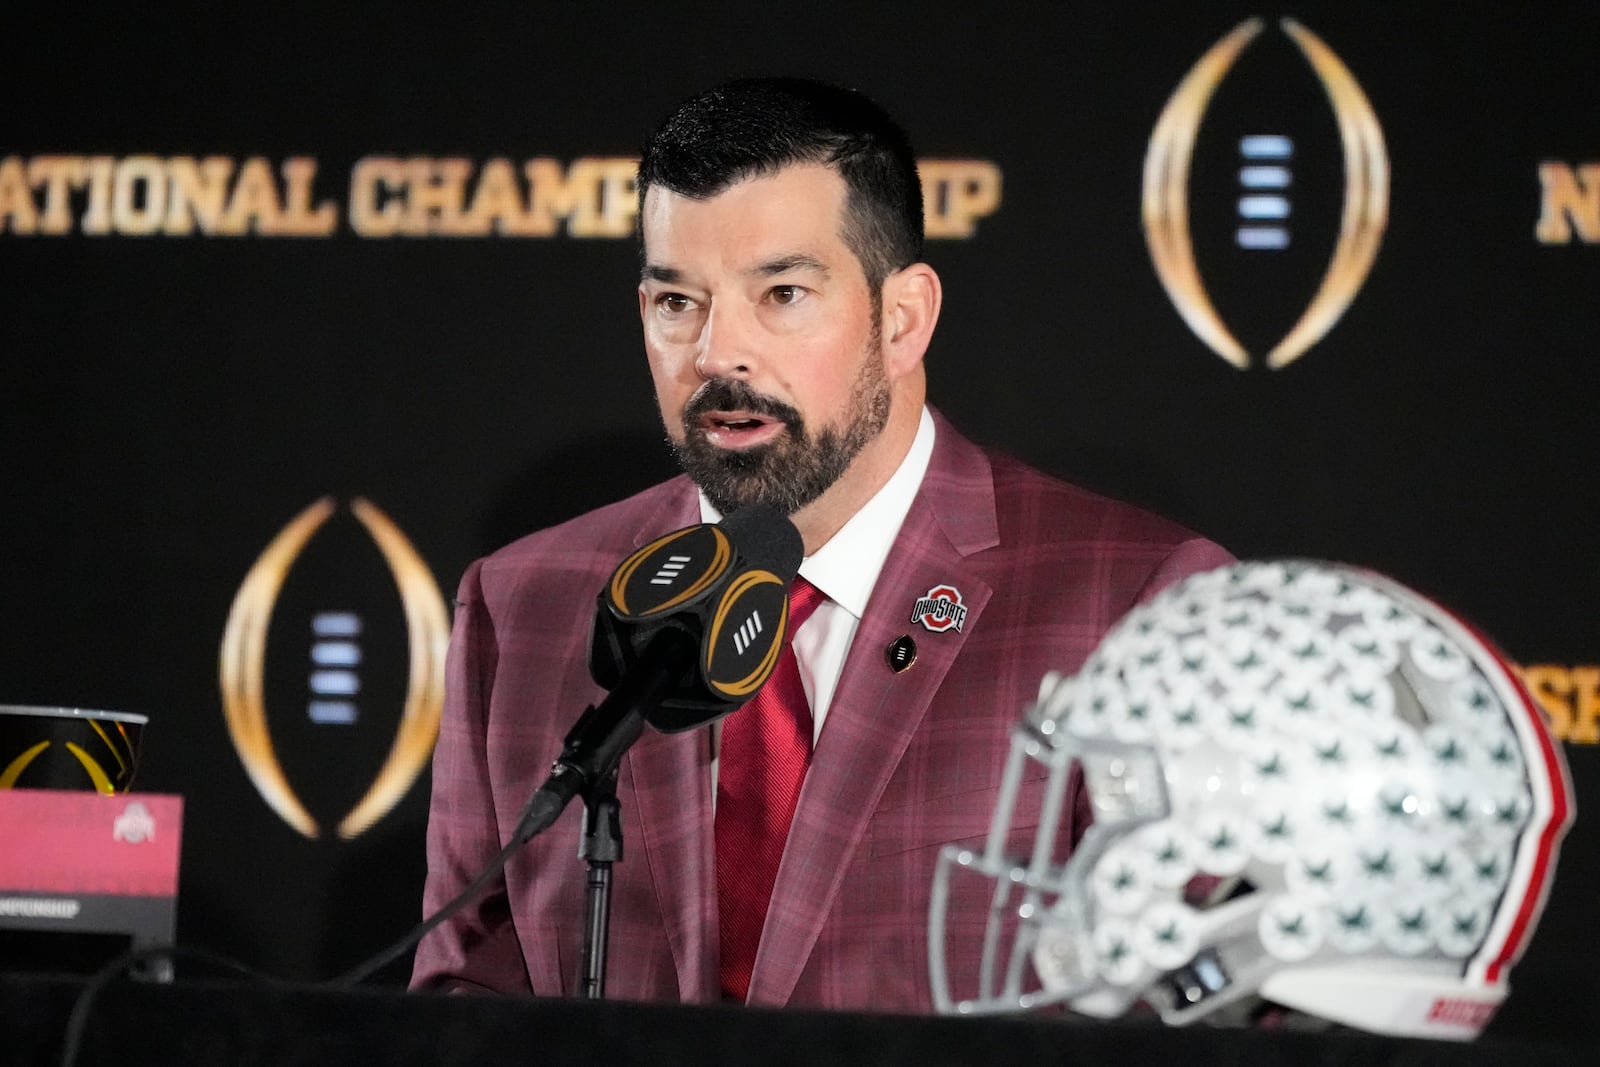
{"points": [[171, 401]]}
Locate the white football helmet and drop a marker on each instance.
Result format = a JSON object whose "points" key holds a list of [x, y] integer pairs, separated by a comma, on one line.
{"points": [[1310, 787]]}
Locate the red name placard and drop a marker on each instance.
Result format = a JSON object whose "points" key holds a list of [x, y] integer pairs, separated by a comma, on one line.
{"points": [[62, 841]]}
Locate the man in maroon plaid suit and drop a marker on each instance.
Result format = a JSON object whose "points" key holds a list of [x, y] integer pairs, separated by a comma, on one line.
{"points": [[786, 310]]}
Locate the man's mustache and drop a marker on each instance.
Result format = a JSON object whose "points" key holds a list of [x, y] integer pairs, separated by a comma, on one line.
{"points": [[731, 394]]}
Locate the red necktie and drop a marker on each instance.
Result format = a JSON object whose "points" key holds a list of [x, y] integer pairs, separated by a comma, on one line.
{"points": [[765, 749]]}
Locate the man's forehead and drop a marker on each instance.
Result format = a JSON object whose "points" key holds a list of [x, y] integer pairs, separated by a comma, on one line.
{"points": [[799, 207]]}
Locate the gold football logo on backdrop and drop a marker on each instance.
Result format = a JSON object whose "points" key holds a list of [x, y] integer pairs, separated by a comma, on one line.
{"points": [[1166, 195], [243, 657]]}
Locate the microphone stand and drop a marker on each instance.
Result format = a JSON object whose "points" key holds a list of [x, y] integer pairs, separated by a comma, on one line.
{"points": [[601, 846]]}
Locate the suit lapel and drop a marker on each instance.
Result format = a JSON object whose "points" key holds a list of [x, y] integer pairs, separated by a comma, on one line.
{"points": [[670, 802], [876, 711]]}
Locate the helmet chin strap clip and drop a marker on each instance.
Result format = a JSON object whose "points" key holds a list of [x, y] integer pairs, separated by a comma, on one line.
{"points": [[1197, 981]]}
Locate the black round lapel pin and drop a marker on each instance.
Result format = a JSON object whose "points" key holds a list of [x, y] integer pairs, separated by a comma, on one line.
{"points": [[901, 653]]}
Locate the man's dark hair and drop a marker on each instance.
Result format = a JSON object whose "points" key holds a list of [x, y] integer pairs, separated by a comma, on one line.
{"points": [[756, 126]]}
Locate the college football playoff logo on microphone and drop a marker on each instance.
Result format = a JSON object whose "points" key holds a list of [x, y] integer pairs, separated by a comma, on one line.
{"points": [[1259, 182], [723, 585], [669, 573], [746, 634]]}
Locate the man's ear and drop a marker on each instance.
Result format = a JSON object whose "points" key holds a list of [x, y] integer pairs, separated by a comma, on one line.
{"points": [[911, 300]]}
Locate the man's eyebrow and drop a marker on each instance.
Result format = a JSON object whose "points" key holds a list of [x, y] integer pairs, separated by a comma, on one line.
{"points": [[787, 263], [655, 272]]}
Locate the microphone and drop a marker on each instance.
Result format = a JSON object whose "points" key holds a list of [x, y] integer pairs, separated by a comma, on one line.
{"points": [[685, 632], [688, 628]]}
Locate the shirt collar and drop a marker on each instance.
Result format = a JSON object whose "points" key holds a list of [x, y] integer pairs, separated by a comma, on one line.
{"points": [[846, 567]]}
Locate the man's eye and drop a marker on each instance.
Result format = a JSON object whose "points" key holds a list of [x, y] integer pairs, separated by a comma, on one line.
{"points": [[672, 302], [786, 294]]}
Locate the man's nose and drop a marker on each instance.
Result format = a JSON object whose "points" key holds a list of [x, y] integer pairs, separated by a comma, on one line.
{"points": [[727, 344]]}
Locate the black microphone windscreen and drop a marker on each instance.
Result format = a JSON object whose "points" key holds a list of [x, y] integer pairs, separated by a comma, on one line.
{"points": [[766, 539]]}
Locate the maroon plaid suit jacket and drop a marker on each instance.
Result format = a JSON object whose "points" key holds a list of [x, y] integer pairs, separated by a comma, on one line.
{"points": [[906, 762]]}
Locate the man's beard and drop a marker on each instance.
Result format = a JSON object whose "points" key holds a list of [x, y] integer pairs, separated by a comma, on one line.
{"points": [[793, 470]]}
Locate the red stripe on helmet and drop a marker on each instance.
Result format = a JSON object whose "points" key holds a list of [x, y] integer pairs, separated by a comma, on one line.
{"points": [[1538, 886]]}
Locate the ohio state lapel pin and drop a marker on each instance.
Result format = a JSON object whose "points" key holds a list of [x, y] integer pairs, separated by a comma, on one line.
{"points": [[940, 610]]}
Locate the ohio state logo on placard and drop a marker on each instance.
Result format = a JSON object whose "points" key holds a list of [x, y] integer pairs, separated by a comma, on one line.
{"points": [[941, 610]]}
